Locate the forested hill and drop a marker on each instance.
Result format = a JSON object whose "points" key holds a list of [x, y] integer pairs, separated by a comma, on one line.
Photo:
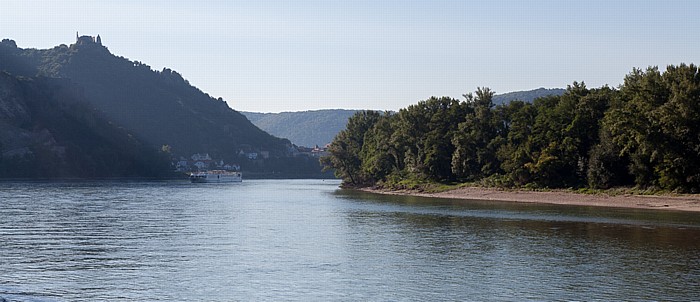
{"points": [[159, 107], [526, 96], [47, 131], [644, 134], [319, 127], [304, 128]]}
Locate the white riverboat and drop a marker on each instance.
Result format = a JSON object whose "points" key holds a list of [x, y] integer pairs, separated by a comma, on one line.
{"points": [[216, 176]]}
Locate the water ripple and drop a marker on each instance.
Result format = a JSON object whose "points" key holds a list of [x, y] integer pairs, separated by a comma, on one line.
{"points": [[306, 240]]}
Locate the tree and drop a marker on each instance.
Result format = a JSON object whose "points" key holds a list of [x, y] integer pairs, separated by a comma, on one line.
{"points": [[565, 130], [378, 155], [656, 124], [514, 153], [425, 131], [646, 131], [606, 167], [346, 147], [474, 154]]}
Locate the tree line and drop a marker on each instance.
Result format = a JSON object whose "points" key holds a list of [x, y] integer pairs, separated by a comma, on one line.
{"points": [[645, 133]]}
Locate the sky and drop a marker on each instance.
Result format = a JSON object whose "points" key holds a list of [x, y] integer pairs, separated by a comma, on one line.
{"points": [[273, 56]]}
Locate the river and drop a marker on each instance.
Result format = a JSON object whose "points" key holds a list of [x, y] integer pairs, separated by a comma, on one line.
{"points": [[308, 240]]}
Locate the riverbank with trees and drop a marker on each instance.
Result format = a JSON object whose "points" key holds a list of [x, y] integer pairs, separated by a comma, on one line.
{"points": [[644, 134]]}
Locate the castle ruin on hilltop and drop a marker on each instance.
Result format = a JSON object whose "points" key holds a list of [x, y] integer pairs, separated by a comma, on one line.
{"points": [[84, 40]]}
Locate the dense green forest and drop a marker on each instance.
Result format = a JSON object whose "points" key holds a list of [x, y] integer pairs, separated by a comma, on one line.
{"points": [[81, 111], [319, 127], [159, 107], [47, 130], [646, 133]]}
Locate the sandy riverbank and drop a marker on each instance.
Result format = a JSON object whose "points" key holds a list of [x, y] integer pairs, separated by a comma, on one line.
{"points": [[663, 202]]}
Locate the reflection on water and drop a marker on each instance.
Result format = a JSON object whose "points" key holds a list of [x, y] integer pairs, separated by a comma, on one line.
{"points": [[544, 252], [307, 240]]}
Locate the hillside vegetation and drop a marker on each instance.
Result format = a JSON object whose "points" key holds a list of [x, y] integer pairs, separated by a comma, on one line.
{"points": [[303, 128], [80, 111], [646, 134], [528, 96], [319, 127], [47, 131], [159, 107]]}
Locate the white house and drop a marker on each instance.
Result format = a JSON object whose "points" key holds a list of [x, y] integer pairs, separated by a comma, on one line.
{"points": [[201, 165], [202, 157], [182, 165]]}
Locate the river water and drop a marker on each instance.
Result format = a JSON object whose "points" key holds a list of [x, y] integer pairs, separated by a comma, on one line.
{"points": [[307, 240]]}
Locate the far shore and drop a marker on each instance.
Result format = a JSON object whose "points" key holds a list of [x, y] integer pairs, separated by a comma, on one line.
{"points": [[690, 203]]}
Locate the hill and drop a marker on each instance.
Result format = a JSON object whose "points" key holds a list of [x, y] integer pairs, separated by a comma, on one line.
{"points": [[158, 107], [48, 131], [319, 127], [526, 96], [305, 128]]}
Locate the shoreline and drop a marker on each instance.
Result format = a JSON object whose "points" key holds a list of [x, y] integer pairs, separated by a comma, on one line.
{"points": [[687, 203]]}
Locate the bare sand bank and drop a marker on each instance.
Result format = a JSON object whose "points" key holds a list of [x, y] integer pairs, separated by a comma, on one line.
{"points": [[689, 203]]}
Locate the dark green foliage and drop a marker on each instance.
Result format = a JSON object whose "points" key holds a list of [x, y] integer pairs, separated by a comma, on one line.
{"points": [[59, 135], [565, 129], [427, 129], [319, 127], [656, 123], [379, 155], [346, 147], [474, 141], [159, 107], [645, 134], [606, 168], [514, 152]]}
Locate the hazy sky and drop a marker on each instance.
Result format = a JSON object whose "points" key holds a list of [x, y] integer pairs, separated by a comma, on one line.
{"points": [[272, 56]]}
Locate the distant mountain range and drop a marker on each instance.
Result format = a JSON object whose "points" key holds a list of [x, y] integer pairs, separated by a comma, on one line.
{"points": [[304, 128], [526, 96], [319, 127]]}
